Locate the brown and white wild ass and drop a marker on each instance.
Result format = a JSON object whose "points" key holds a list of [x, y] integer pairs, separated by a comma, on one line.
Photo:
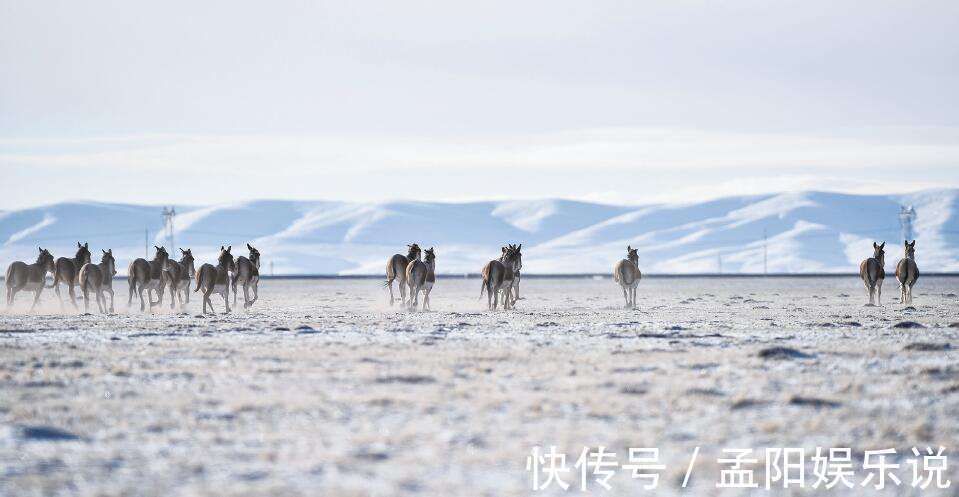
{"points": [[143, 275], [29, 277], [177, 276], [498, 278], [216, 279], [396, 270], [627, 274], [872, 271], [247, 274], [907, 272], [420, 276], [98, 278], [66, 271]]}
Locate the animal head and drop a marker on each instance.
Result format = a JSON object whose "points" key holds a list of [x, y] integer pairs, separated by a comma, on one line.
{"points": [[161, 254], [632, 254], [186, 258], [430, 255], [45, 260], [226, 258], [910, 249], [254, 256], [878, 253], [83, 253], [517, 256], [109, 261], [414, 253]]}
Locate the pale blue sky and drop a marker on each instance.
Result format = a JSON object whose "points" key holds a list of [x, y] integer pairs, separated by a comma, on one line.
{"points": [[209, 102]]}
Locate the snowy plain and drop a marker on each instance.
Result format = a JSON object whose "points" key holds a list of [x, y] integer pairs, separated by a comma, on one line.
{"points": [[324, 389]]}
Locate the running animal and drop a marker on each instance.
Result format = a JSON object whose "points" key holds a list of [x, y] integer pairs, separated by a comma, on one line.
{"points": [[396, 270], [872, 271], [177, 276], [907, 272], [420, 276], [95, 277], [143, 275], [66, 271], [216, 279], [498, 278], [627, 274], [30, 277], [247, 274]]}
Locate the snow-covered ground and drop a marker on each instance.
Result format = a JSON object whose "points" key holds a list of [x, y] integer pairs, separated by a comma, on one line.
{"points": [[793, 232], [323, 389]]}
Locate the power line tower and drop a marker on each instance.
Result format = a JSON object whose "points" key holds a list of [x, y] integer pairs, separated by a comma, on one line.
{"points": [[907, 216], [168, 214]]}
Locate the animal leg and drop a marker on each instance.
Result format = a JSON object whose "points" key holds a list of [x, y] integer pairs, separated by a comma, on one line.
{"points": [[140, 294], [426, 299], [389, 283], [110, 290], [402, 285], [226, 300], [879, 292], [36, 298], [256, 292], [246, 295], [86, 298], [133, 285], [73, 295]]}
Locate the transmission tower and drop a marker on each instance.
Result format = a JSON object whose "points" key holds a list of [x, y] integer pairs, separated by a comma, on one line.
{"points": [[907, 216], [168, 214]]}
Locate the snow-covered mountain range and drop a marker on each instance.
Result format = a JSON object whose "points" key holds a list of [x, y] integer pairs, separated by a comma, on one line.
{"points": [[804, 232]]}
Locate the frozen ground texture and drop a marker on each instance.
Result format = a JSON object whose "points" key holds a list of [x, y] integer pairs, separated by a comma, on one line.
{"points": [[807, 232], [322, 389]]}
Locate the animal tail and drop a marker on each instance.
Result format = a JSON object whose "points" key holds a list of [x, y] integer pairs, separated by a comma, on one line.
{"points": [[483, 288], [388, 282], [197, 289]]}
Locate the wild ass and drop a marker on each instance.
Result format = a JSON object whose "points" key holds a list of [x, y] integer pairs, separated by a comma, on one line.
{"points": [[907, 272], [99, 279], [177, 276], [516, 270], [247, 274], [420, 275], [498, 277], [516, 261], [396, 270], [143, 275], [66, 270], [626, 272], [216, 279], [872, 271], [30, 277]]}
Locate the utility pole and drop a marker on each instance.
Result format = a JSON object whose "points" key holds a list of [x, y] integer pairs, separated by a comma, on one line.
{"points": [[765, 253], [907, 215], [168, 214]]}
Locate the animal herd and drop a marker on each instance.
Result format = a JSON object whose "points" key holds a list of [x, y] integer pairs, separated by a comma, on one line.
{"points": [[154, 277], [414, 273]]}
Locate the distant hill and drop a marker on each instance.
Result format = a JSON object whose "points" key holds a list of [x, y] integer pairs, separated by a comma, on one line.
{"points": [[806, 232]]}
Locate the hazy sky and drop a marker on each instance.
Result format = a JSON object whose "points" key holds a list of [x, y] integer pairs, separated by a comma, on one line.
{"points": [[208, 102]]}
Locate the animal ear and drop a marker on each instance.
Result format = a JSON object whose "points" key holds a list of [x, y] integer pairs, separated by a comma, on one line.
{"points": [[629, 248], [110, 251], [40, 249], [104, 251], [182, 252], [882, 245], [874, 245], [913, 243], [249, 247], [519, 247], [228, 248], [86, 245]]}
